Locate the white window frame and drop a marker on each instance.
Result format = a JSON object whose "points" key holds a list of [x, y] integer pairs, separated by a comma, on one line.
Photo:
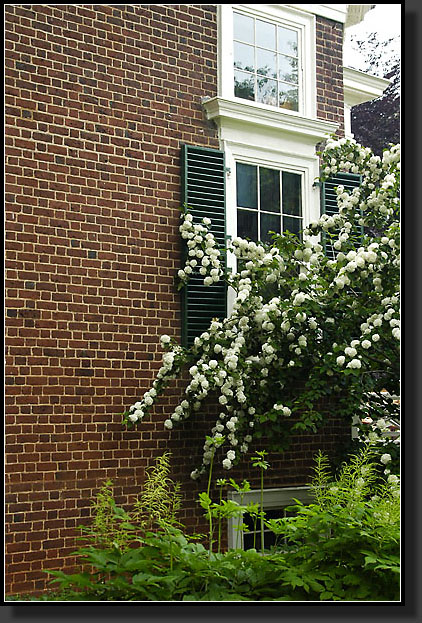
{"points": [[302, 22], [273, 498], [305, 165]]}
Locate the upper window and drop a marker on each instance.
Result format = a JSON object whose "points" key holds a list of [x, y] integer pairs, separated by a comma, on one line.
{"points": [[266, 62], [267, 58], [268, 200]]}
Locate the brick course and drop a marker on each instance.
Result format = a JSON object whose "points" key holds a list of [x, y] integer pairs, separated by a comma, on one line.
{"points": [[99, 100]]}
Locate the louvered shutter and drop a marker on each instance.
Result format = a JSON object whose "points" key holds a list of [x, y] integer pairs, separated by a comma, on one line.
{"points": [[329, 203], [203, 190]]}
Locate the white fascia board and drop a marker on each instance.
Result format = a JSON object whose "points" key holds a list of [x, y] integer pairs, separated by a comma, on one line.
{"points": [[222, 111], [360, 87], [336, 12]]}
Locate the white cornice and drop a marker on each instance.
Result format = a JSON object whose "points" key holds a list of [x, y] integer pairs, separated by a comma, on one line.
{"points": [[347, 14], [278, 121], [360, 87], [336, 12]]}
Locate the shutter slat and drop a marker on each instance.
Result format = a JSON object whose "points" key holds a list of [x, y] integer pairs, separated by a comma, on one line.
{"points": [[329, 203], [204, 192]]}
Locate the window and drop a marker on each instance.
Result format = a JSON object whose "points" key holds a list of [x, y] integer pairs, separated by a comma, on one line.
{"points": [[267, 200], [266, 62], [275, 503], [267, 56]]}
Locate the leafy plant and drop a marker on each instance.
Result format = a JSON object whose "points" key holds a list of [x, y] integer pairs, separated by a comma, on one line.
{"points": [[342, 547], [160, 499]]}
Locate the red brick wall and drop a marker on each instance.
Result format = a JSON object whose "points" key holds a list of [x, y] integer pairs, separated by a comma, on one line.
{"points": [[98, 101], [329, 72]]}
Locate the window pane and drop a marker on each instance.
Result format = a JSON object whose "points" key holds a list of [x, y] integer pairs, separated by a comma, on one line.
{"points": [[287, 41], [244, 56], [246, 186], [247, 224], [265, 34], [292, 196], [244, 85], [266, 63], [243, 28], [269, 190], [289, 97], [292, 224], [287, 69], [269, 222], [267, 91]]}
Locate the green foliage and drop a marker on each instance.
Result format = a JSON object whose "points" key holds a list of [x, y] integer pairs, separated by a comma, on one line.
{"points": [[160, 498], [157, 505], [350, 534], [342, 547]]}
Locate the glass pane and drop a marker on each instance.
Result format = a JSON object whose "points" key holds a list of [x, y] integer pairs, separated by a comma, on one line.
{"points": [[267, 91], [292, 224], [243, 28], [265, 34], [269, 222], [246, 186], [287, 41], [269, 190], [287, 69], [289, 97], [266, 63], [244, 56], [244, 85], [247, 224], [292, 196]]}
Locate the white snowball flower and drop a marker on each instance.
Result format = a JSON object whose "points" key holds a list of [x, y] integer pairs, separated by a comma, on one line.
{"points": [[366, 344], [231, 455], [227, 464], [168, 424], [340, 360], [386, 458], [355, 363], [350, 352]]}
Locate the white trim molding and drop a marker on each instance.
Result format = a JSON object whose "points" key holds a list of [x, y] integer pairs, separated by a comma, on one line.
{"points": [[336, 12], [359, 87], [347, 14], [223, 111]]}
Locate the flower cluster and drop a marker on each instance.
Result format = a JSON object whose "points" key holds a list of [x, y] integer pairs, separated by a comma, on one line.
{"points": [[202, 252], [302, 326]]}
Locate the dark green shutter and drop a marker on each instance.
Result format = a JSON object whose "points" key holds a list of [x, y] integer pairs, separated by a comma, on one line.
{"points": [[204, 192], [329, 202]]}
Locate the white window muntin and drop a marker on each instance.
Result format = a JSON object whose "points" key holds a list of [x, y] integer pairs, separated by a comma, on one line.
{"points": [[256, 48], [273, 499], [293, 19]]}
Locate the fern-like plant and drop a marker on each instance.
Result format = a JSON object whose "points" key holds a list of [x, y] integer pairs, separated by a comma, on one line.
{"points": [[160, 499]]}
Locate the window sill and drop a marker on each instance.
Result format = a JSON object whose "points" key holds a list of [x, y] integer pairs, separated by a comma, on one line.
{"points": [[223, 111]]}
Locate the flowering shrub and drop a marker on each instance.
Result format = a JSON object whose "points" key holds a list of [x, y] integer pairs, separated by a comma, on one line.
{"points": [[304, 328]]}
